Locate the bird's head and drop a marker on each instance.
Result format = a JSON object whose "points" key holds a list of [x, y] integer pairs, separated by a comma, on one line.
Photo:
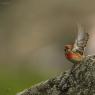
{"points": [[68, 48]]}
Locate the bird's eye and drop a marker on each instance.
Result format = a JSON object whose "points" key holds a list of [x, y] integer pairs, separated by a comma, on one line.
{"points": [[65, 50]]}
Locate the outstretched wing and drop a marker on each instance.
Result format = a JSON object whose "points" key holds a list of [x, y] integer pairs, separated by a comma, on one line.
{"points": [[81, 40]]}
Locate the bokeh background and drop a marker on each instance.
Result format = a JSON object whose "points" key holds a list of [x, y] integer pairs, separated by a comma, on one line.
{"points": [[32, 38]]}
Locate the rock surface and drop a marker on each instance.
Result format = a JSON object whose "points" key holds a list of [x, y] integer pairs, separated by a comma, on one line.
{"points": [[80, 80]]}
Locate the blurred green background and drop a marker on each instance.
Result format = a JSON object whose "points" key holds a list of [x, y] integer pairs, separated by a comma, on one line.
{"points": [[32, 38]]}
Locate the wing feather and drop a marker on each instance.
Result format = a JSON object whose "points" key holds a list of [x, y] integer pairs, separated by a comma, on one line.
{"points": [[81, 41]]}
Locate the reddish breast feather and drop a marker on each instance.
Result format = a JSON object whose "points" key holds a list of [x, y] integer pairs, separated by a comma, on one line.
{"points": [[69, 55]]}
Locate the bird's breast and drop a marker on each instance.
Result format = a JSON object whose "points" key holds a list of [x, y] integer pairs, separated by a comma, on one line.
{"points": [[69, 55], [73, 56]]}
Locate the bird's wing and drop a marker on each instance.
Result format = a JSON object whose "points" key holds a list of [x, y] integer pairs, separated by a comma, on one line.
{"points": [[81, 41]]}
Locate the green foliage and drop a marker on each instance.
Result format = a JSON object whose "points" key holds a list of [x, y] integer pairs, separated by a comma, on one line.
{"points": [[12, 82]]}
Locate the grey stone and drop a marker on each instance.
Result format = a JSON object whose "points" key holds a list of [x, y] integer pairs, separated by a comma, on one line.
{"points": [[80, 80]]}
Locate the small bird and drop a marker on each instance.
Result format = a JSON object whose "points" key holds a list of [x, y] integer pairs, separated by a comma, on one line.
{"points": [[75, 52]]}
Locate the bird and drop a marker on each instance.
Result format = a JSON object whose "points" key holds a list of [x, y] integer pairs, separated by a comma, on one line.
{"points": [[75, 52]]}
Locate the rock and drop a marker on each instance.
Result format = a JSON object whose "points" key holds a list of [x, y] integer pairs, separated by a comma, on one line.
{"points": [[80, 80]]}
